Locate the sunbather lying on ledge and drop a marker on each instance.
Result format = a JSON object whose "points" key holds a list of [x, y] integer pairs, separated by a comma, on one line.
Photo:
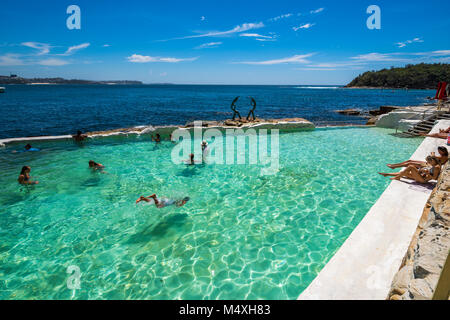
{"points": [[442, 158], [422, 175], [443, 134], [164, 202]]}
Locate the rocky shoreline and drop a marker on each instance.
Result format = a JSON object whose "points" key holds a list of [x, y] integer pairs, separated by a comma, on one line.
{"points": [[425, 267]]}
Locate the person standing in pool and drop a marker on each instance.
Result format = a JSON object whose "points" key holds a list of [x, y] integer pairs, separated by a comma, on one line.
{"points": [[205, 150], [191, 161], [25, 178], [79, 136], [164, 202], [157, 138]]}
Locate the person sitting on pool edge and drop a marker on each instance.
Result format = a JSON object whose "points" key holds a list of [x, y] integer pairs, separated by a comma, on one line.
{"points": [[24, 177], [164, 202], [442, 158], [95, 166], [422, 175], [79, 136]]}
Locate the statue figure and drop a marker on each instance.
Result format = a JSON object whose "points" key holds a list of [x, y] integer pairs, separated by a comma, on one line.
{"points": [[233, 107], [252, 113]]}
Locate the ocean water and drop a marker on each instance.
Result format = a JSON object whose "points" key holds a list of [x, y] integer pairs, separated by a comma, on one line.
{"points": [[241, 236], [54, 110]]}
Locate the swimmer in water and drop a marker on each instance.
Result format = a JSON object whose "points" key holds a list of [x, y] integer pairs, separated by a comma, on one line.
{"points": [[24, 177], [28, 147], [164, 202], [96, 166], [156, 138], [191, 161]]}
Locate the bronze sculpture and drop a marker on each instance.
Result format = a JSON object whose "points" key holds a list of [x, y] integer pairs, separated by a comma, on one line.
{"points": [[252, 110], [233, 107]]}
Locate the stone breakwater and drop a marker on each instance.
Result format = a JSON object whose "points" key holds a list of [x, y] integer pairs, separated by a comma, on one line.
{"points": [[425, 271]]}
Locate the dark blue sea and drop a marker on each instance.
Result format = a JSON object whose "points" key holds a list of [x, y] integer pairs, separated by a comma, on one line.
{"points": [[34, 110]]}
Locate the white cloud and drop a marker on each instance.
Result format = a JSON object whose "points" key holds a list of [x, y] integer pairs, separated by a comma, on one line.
{"points": [[317, 10], [441, 53], [375, 57], [106, 45], [283, 16], [209, 45], [293, 59], [74, 49], [404, 44], [202, 18], [265, 40], [305, 26], [163, 74], [255, 35], [43, 48], [53, 62], [137, 58], [241, 28], [11, 60]]}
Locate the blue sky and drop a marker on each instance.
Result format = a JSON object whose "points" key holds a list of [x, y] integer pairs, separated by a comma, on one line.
{"points": [[219, 42]]}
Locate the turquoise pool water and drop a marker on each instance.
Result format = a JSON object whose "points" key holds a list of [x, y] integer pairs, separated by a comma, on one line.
{"points": [[241, 236]]}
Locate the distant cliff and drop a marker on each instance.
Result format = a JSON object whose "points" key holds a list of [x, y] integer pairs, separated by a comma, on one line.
{"points": [[419, 76], [19, 80]]}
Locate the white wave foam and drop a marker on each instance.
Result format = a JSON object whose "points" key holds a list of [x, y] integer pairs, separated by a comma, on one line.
{"points": [[318, 88]]}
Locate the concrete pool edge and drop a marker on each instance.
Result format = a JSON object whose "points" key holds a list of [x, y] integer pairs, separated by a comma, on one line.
{"points": [[365, 265]]}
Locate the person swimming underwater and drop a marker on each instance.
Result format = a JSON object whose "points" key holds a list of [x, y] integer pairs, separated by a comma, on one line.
{"points": [[163, 202]]}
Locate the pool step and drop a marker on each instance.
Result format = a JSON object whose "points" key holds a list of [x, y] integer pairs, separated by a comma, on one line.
{"points": [[425, 126]]}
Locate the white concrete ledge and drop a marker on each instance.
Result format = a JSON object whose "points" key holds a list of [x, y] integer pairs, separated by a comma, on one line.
{"points": [[363, 268]]}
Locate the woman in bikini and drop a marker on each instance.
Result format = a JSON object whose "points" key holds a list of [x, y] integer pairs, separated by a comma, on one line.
{"points": [[422, 175], [443, 158]]}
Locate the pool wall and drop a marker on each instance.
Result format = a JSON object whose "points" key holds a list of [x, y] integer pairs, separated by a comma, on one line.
{"points": [[284, 125], [363, 268]]}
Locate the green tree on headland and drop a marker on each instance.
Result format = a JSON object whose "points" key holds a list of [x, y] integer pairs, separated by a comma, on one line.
{"points": [[419, 76]]}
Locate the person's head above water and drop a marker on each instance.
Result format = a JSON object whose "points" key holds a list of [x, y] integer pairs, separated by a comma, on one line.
{"points": [[79, 133], [28, 147], [25, 170], [92, 163]]}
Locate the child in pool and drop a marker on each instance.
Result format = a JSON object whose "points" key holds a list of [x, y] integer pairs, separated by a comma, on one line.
{"points": [[164, 202], [24, 177]]}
